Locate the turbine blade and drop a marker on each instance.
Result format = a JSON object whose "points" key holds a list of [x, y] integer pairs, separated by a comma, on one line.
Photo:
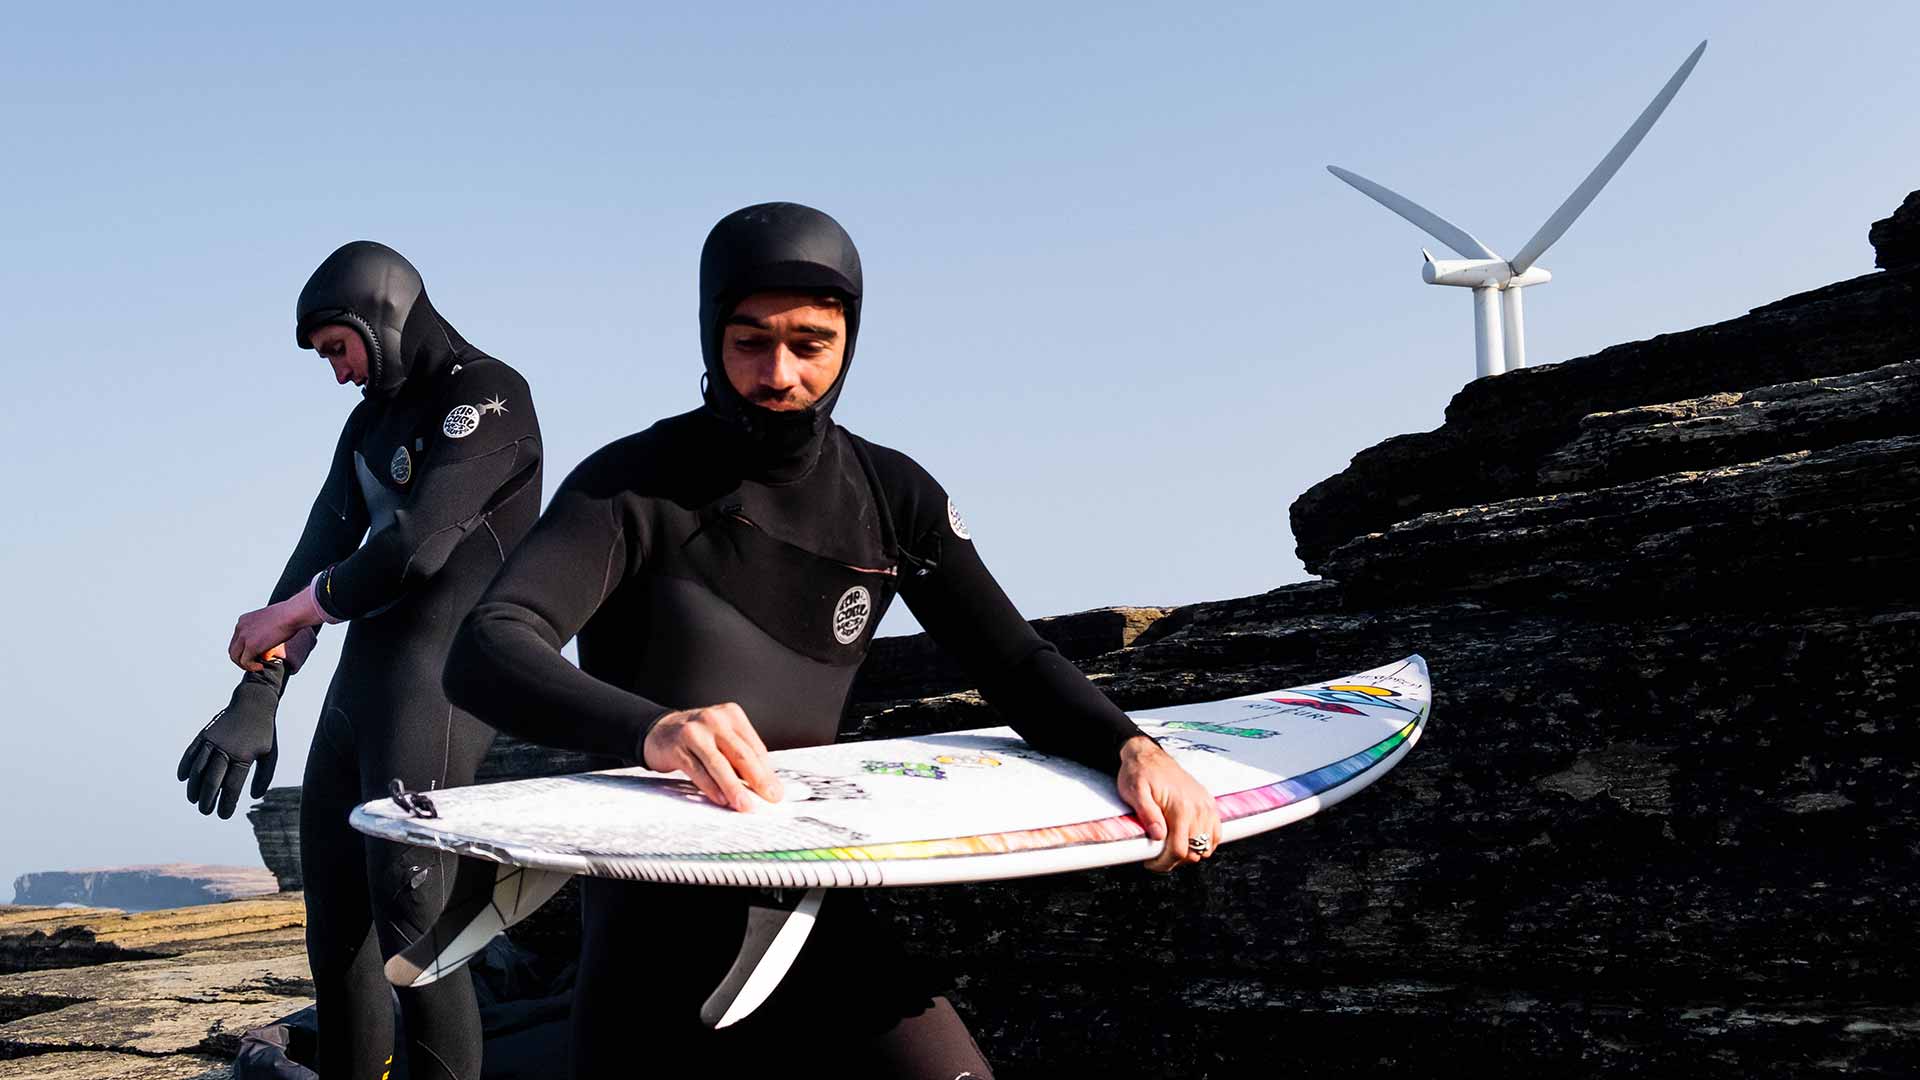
{"points": [[1577, 202], [1455, 237]]}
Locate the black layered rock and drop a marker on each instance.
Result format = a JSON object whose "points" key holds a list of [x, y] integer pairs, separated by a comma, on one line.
{"points": [[1500, 432], [1626, 843], [1662, 819], [1896, 238], [276, 828]]}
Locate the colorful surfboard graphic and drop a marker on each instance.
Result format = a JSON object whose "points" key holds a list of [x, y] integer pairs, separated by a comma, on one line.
{"points": [[1124, 827]]}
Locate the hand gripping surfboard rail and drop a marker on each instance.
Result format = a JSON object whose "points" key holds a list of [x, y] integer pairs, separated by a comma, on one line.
{"points": [[966, 806]]}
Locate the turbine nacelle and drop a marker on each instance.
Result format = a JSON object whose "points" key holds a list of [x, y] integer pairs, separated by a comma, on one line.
{"points": [[1479, 273], [1499, 325]]}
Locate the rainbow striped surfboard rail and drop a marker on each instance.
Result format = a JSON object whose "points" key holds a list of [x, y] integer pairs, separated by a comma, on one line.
{"points": [[965, 806]]}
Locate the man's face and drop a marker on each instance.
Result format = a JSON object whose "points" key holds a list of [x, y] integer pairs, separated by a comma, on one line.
{"points": [[344, 350], [782, 351]]}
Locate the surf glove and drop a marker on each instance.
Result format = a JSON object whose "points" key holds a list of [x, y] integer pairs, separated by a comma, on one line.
{"points": [[238, 737]]}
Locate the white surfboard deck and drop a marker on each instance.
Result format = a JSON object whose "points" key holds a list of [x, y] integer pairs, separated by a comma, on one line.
{"points": [[965, 806]]}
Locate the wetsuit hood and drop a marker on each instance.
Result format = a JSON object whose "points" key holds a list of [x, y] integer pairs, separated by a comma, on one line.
{"points": [[376, 291], [775, 247]]}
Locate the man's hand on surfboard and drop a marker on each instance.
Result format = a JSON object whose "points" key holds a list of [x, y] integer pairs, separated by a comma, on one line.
{"points": [[718, 750], [1172, 805]]}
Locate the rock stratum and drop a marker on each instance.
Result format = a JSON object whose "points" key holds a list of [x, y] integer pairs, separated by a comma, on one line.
{"points": [[92, 994], [143, 888], [1663, 819]]}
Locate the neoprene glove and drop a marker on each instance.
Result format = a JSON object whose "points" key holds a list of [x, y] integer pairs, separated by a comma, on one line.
{"points": [[238, 737]]}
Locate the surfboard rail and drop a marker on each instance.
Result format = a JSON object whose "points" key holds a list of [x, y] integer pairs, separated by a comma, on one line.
{"points": [[1392, 702], [961, 857]]}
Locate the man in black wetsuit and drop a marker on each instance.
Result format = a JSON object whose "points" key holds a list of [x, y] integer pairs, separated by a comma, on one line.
{"points": [[724, 571], [439, 469]]}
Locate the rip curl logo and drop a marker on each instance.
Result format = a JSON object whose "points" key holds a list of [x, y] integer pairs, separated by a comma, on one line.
{"points": [[850, 614], [461, 422], [401, 467], [955, 522]]}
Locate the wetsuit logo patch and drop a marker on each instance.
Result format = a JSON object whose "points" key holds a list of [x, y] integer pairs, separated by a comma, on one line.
{"points": [[850, 614], [956, 522], [401, 467], [461, 422]]}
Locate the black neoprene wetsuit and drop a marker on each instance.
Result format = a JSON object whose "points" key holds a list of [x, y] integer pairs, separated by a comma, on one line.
{"points": [[439, 469], [703, 561]]}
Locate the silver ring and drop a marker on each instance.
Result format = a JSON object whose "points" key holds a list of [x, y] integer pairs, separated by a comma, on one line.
{"points": [[1200, 844]]}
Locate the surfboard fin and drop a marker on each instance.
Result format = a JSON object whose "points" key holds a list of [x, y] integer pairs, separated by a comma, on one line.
{"points": [[777, 925], [487, 898]]}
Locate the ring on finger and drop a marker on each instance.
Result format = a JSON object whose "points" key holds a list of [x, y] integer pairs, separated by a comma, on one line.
{"points": [[1200, 843]]}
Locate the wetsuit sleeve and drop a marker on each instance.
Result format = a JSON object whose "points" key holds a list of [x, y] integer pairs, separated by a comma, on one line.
{"points": [[335, 524], [505, 666], [484, 452], [1039, 692]]}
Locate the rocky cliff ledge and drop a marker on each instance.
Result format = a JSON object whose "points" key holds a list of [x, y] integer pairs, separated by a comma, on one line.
{"points": [[90, 994], [143, 888], [1663, 818]]}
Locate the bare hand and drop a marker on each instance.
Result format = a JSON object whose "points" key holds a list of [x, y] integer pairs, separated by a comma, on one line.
{"points": [[260, 632], [1169, 802], [718, 750]]}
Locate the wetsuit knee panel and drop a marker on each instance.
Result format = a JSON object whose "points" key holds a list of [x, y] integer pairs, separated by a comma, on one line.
{"points": [[408, 886]]}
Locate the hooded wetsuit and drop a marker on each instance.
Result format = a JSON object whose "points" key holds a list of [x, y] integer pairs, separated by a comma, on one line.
{"points": [[439, 469], [737, 554]]}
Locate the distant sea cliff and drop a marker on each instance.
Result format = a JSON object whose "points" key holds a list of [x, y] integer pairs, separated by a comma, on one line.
{"points": [[143, 888]]}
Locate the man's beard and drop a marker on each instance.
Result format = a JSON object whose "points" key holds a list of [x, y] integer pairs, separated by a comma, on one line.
{"points": [[778, 401]]}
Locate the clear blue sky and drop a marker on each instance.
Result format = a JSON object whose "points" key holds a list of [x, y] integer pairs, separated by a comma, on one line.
{"points": [[1116, 304]]}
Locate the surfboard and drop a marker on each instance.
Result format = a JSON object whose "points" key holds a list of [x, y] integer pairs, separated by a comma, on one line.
{"points": [[965, 806]]}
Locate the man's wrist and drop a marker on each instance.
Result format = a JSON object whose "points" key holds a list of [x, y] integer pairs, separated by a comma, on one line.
{"points": [[299, 647], [1137, 746], [646, 732], [311, 609]]}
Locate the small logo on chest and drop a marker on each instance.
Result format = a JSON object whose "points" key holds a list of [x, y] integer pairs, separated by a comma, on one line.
{"points": [[401, 467], [850, 614], [461, 422]]}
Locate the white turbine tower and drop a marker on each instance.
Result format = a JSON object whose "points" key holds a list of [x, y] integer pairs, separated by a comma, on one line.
{"points": [[1497, 281]]}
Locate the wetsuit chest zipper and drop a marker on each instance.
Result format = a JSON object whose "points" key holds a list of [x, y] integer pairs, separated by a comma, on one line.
{"points": [[734, 511]]}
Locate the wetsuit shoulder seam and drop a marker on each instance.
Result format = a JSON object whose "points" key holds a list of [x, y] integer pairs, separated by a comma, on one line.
{"points": [[614, 533]]}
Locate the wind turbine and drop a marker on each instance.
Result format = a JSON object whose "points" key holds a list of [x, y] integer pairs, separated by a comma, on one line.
{"points": [[1496, 281]]}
